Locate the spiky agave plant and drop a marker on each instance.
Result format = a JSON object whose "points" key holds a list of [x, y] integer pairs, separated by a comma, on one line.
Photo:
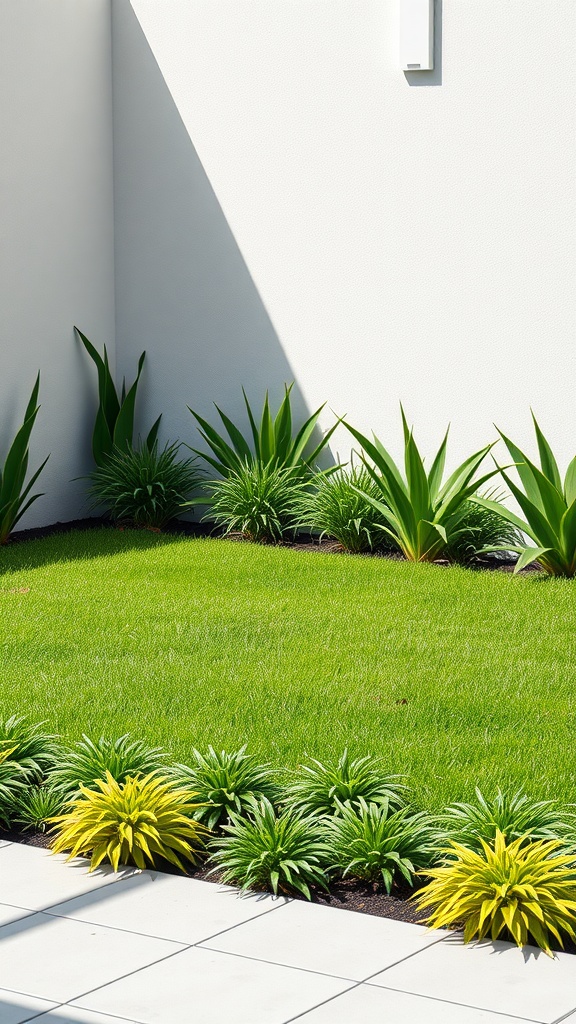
{"points": [[91, 760], [284, 851], [226, 782], [371, 841], [114, 424], [143, 485], [522, 890], [319, 788], [419, 511], [549, 507], [14, 490], [131, 823], [273, 440], [514, 815]]}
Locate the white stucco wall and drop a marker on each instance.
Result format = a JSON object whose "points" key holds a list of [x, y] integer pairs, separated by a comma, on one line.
{"points": [[290, 204], [56, 241]]}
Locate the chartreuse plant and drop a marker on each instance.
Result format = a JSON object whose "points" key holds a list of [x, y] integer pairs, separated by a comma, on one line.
{"points": [[514, 815], [260, 501], [145, 486], [282, 851], [273, 439], [14, 490], [421, 513], [35, 750], [318, 788], [371, 841], [131, 823], [226, 782], [338, 507], [114, 425], [522, 890], [549, 507], [89, 761]]}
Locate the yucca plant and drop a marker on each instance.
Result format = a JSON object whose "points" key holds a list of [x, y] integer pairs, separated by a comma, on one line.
{"points": [[284, 852], [14, 500], [318, 788], [260, 501], [131, 822], [419, 512], [37, 805], [512, 889], [371, 841], [226, 782], [114, 424], [337, 507], [35, 750], [273, 440], [481, 529], [91, 760], [515, 816], [549, 507], [145, 486]]}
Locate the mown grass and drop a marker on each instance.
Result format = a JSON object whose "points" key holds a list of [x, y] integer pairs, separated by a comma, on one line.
{"points": [[458, 678]]}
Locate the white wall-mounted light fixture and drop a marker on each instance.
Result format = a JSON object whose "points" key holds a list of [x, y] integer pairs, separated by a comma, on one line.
{"points": [[417, 35]]}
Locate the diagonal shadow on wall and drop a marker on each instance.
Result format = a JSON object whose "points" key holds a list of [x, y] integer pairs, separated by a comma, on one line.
{"points": [[183, 290]]}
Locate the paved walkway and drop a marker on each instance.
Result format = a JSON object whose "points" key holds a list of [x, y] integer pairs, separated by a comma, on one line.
{"points": [[149, 948]]}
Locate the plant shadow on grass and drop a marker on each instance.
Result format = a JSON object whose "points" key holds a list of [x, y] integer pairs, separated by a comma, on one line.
{"points": [[80, 544]]}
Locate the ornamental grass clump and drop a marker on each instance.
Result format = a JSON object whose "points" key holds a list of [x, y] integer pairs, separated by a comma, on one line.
{"points": [[259, 501], [338, 507], [371, 841], [226, 782], [35, 750], [91, 760], [515, 816], [318, 788], [143, 486], [482, 529], [133, 822], [517, 890], [418, 511], [273, 441], [13, 778], [37, 805], [549, 507], [282, 851]]}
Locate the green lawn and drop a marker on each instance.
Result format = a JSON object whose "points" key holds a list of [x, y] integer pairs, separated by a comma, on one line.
{"points": [[456, 677]]}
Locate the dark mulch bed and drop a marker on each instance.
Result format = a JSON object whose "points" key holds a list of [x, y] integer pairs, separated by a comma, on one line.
{"points": [[363, 897]]}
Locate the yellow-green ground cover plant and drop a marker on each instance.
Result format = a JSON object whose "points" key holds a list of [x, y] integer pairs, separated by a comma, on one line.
{"points": [[514, 890], [133, 822]]}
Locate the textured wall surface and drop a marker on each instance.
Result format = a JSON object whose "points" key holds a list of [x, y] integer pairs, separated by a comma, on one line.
{"points": [[56, 241], [291, 204]]}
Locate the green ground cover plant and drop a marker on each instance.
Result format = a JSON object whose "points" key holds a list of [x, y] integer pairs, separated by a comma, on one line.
{"points": [[226, 781], [377, 841], [455, 678], [90, 760], [324, 788], [337, 507], [279, 850], [514, 815]]}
